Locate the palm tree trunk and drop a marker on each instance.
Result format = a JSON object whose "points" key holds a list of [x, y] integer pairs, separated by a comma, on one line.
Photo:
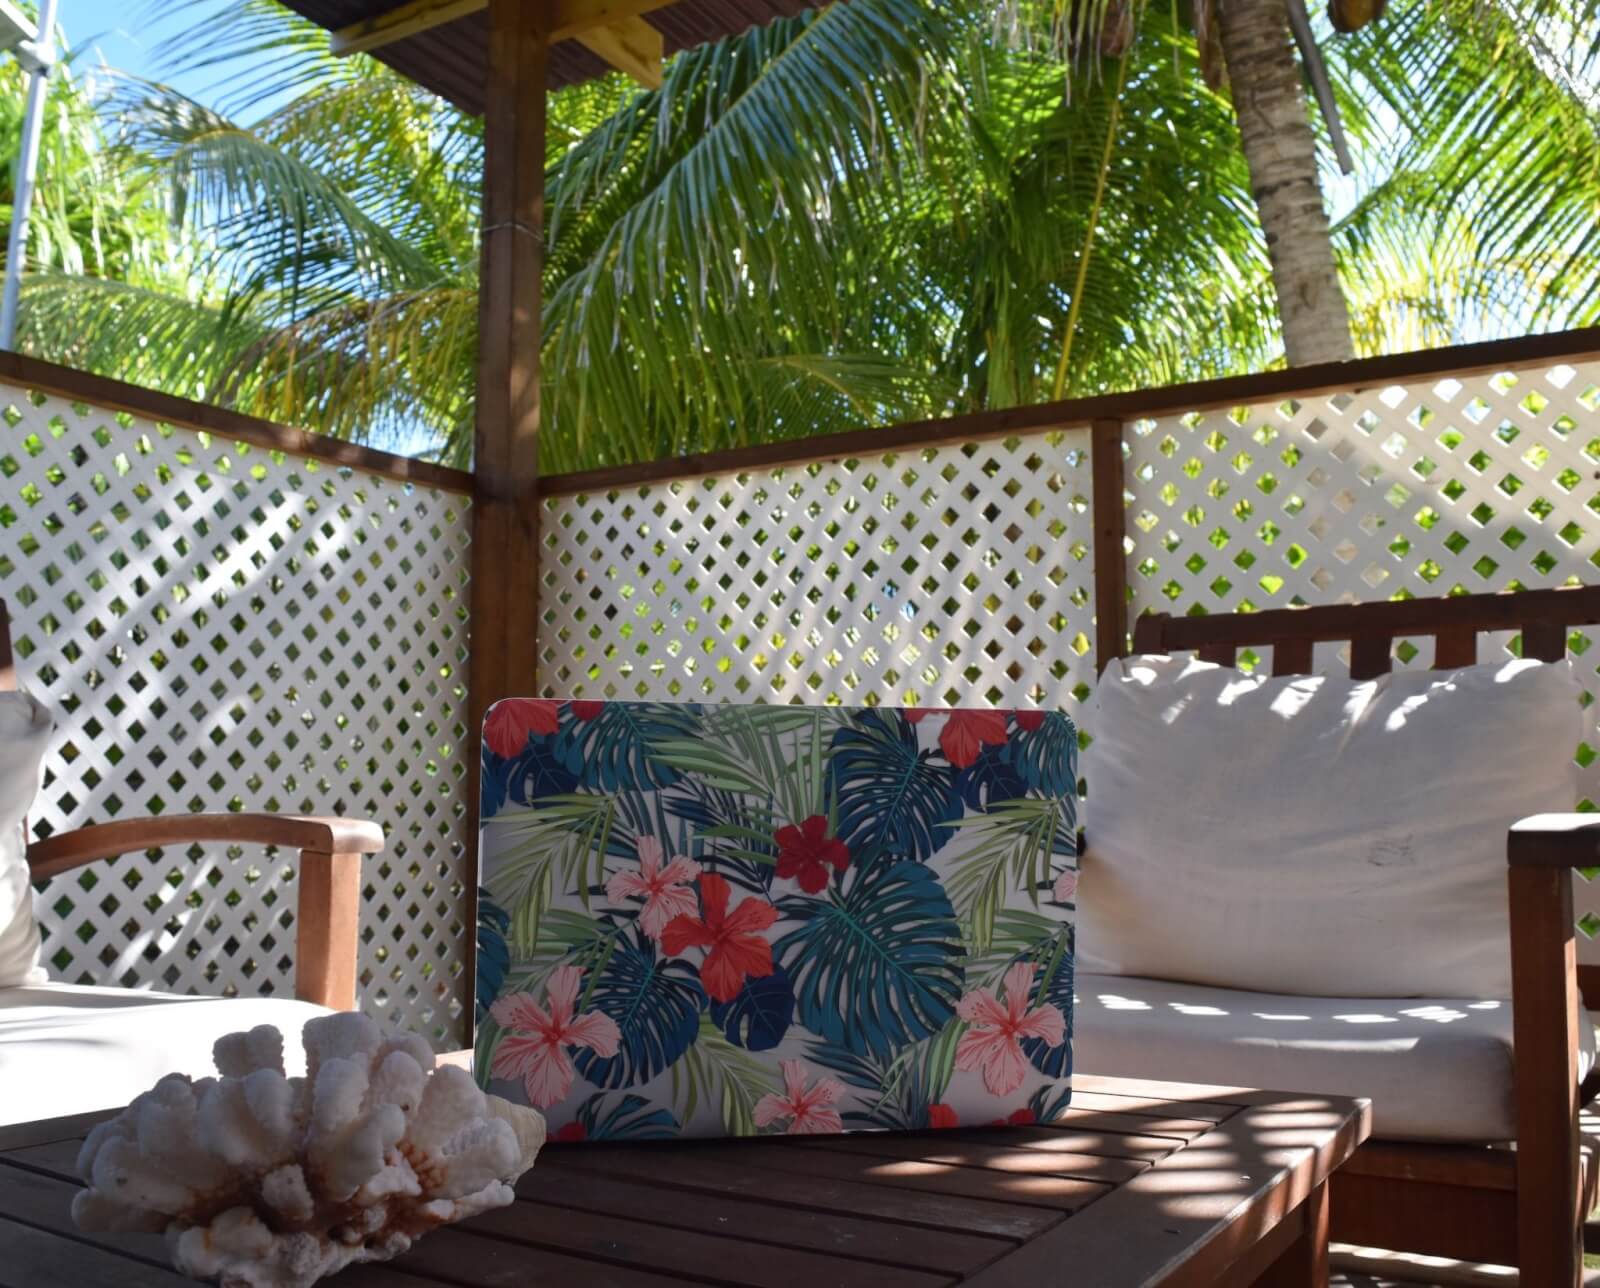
{"points": [[1280, 149]]}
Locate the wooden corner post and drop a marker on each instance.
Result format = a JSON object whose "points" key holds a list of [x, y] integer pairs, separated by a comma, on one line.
{"points": [[505, 500], [1110, 531]]}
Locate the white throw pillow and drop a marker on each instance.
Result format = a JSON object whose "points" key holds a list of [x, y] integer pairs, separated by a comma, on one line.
{"points": [[24, 734], [1316, 834]]}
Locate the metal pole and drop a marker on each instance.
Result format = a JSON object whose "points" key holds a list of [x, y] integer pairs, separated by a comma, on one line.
{"points": [[27, 169]]}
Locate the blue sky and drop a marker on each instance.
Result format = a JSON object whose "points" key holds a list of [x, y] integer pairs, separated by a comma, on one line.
{"points": [[128, 34]]}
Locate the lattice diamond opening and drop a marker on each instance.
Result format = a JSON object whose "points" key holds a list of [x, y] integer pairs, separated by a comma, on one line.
{"points": [[1461, 485], [217, 626], [946, 576]]}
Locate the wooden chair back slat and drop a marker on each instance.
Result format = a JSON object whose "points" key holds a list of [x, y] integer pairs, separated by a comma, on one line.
{"points": [[1455, 648], [1291, 657], [1370, 656], [1546, 641], [1542, 616], [8, 670]]}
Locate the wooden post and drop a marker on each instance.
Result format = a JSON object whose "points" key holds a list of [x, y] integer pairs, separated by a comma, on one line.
{"points": [[505, 501], [1110, 530]]}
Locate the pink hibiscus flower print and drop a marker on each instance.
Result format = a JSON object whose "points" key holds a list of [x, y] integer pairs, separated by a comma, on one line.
{"points": [[509, 723], [965, 733], [994, 1042], [738, 950], [586, 710], [810, 1113], [667, 891], [535, 1046], [1066, 887], [806, 852], [1029, 719], [942, 1116]]}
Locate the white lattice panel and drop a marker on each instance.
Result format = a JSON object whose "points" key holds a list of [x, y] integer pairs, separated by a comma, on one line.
{"points": [[947, 576], [1445, 487], [218, 627]]}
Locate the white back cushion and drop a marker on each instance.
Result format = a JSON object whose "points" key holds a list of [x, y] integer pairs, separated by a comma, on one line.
{"points": [[24, 734], [1315, 834]]}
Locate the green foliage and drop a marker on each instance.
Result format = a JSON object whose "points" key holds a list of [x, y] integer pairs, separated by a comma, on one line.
{"points": [[875, 212]]}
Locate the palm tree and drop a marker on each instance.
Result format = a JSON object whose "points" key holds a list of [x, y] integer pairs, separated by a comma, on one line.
{"points": [[1275, 135], [879, 211]]}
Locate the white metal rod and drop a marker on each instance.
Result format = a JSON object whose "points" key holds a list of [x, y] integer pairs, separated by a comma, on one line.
{"points": [[27, 170]]}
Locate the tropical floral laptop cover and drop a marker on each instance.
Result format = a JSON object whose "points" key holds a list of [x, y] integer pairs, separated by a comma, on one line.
{"points": [[723, 920]]}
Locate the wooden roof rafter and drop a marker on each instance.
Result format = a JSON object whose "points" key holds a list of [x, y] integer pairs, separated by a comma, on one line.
{"points": [[615, 30]]}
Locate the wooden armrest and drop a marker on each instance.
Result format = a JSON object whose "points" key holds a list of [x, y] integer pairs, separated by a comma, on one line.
{"points": [[67, 850], [326, 920], [1555, 841], [1545, 1017]]}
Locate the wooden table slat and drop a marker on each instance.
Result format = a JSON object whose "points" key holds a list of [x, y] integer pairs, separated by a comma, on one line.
{"points": [[996, 1192], [631, 1239], [755, 1168], [767, 1216], [1043, 1157], [34, 1258], [457, 1256]]}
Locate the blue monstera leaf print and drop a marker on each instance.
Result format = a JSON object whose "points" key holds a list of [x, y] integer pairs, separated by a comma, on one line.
{"points": [[656, 1002], [879, 965], [493, 955], [893, 799], [1045, 753], [1053, 985], [760, 1015], [614, 744], [992, 778], [625, 1117]]}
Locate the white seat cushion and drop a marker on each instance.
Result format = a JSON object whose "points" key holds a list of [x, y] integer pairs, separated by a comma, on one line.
{"points": [[24, 736], [1436, 1069], [69, 1049]]}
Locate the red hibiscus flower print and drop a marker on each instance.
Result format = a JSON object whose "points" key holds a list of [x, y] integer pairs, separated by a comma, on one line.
{"points": [[965, 733], [665, 890], [571, 1133], [586, 710], [994, 1042], [737, 949], [942, 1116], [1019, 1118], [509, 724], [1029, 719], [810, 1113], [535, 1046], [806, 852]]}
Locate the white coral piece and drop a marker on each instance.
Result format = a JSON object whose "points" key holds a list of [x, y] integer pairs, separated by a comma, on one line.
{"points": [[264, 1181]]}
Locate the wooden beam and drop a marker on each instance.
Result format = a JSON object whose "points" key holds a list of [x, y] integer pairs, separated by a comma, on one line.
{"points": [[632, 46], [505, 503], [410, 19], [564, 20]]}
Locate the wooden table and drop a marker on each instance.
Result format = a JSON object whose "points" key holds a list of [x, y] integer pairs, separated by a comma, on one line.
{"points": [[1139, 1184]]}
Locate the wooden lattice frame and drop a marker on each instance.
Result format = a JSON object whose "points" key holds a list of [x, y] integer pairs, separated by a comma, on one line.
{"points": [[225, 622]]}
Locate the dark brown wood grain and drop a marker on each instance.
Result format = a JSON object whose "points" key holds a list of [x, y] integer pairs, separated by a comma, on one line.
{"points": [[911, 1209], [115, 395], [1110, 532], [1545, 1015], [504, 588], [1080, 413]]}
